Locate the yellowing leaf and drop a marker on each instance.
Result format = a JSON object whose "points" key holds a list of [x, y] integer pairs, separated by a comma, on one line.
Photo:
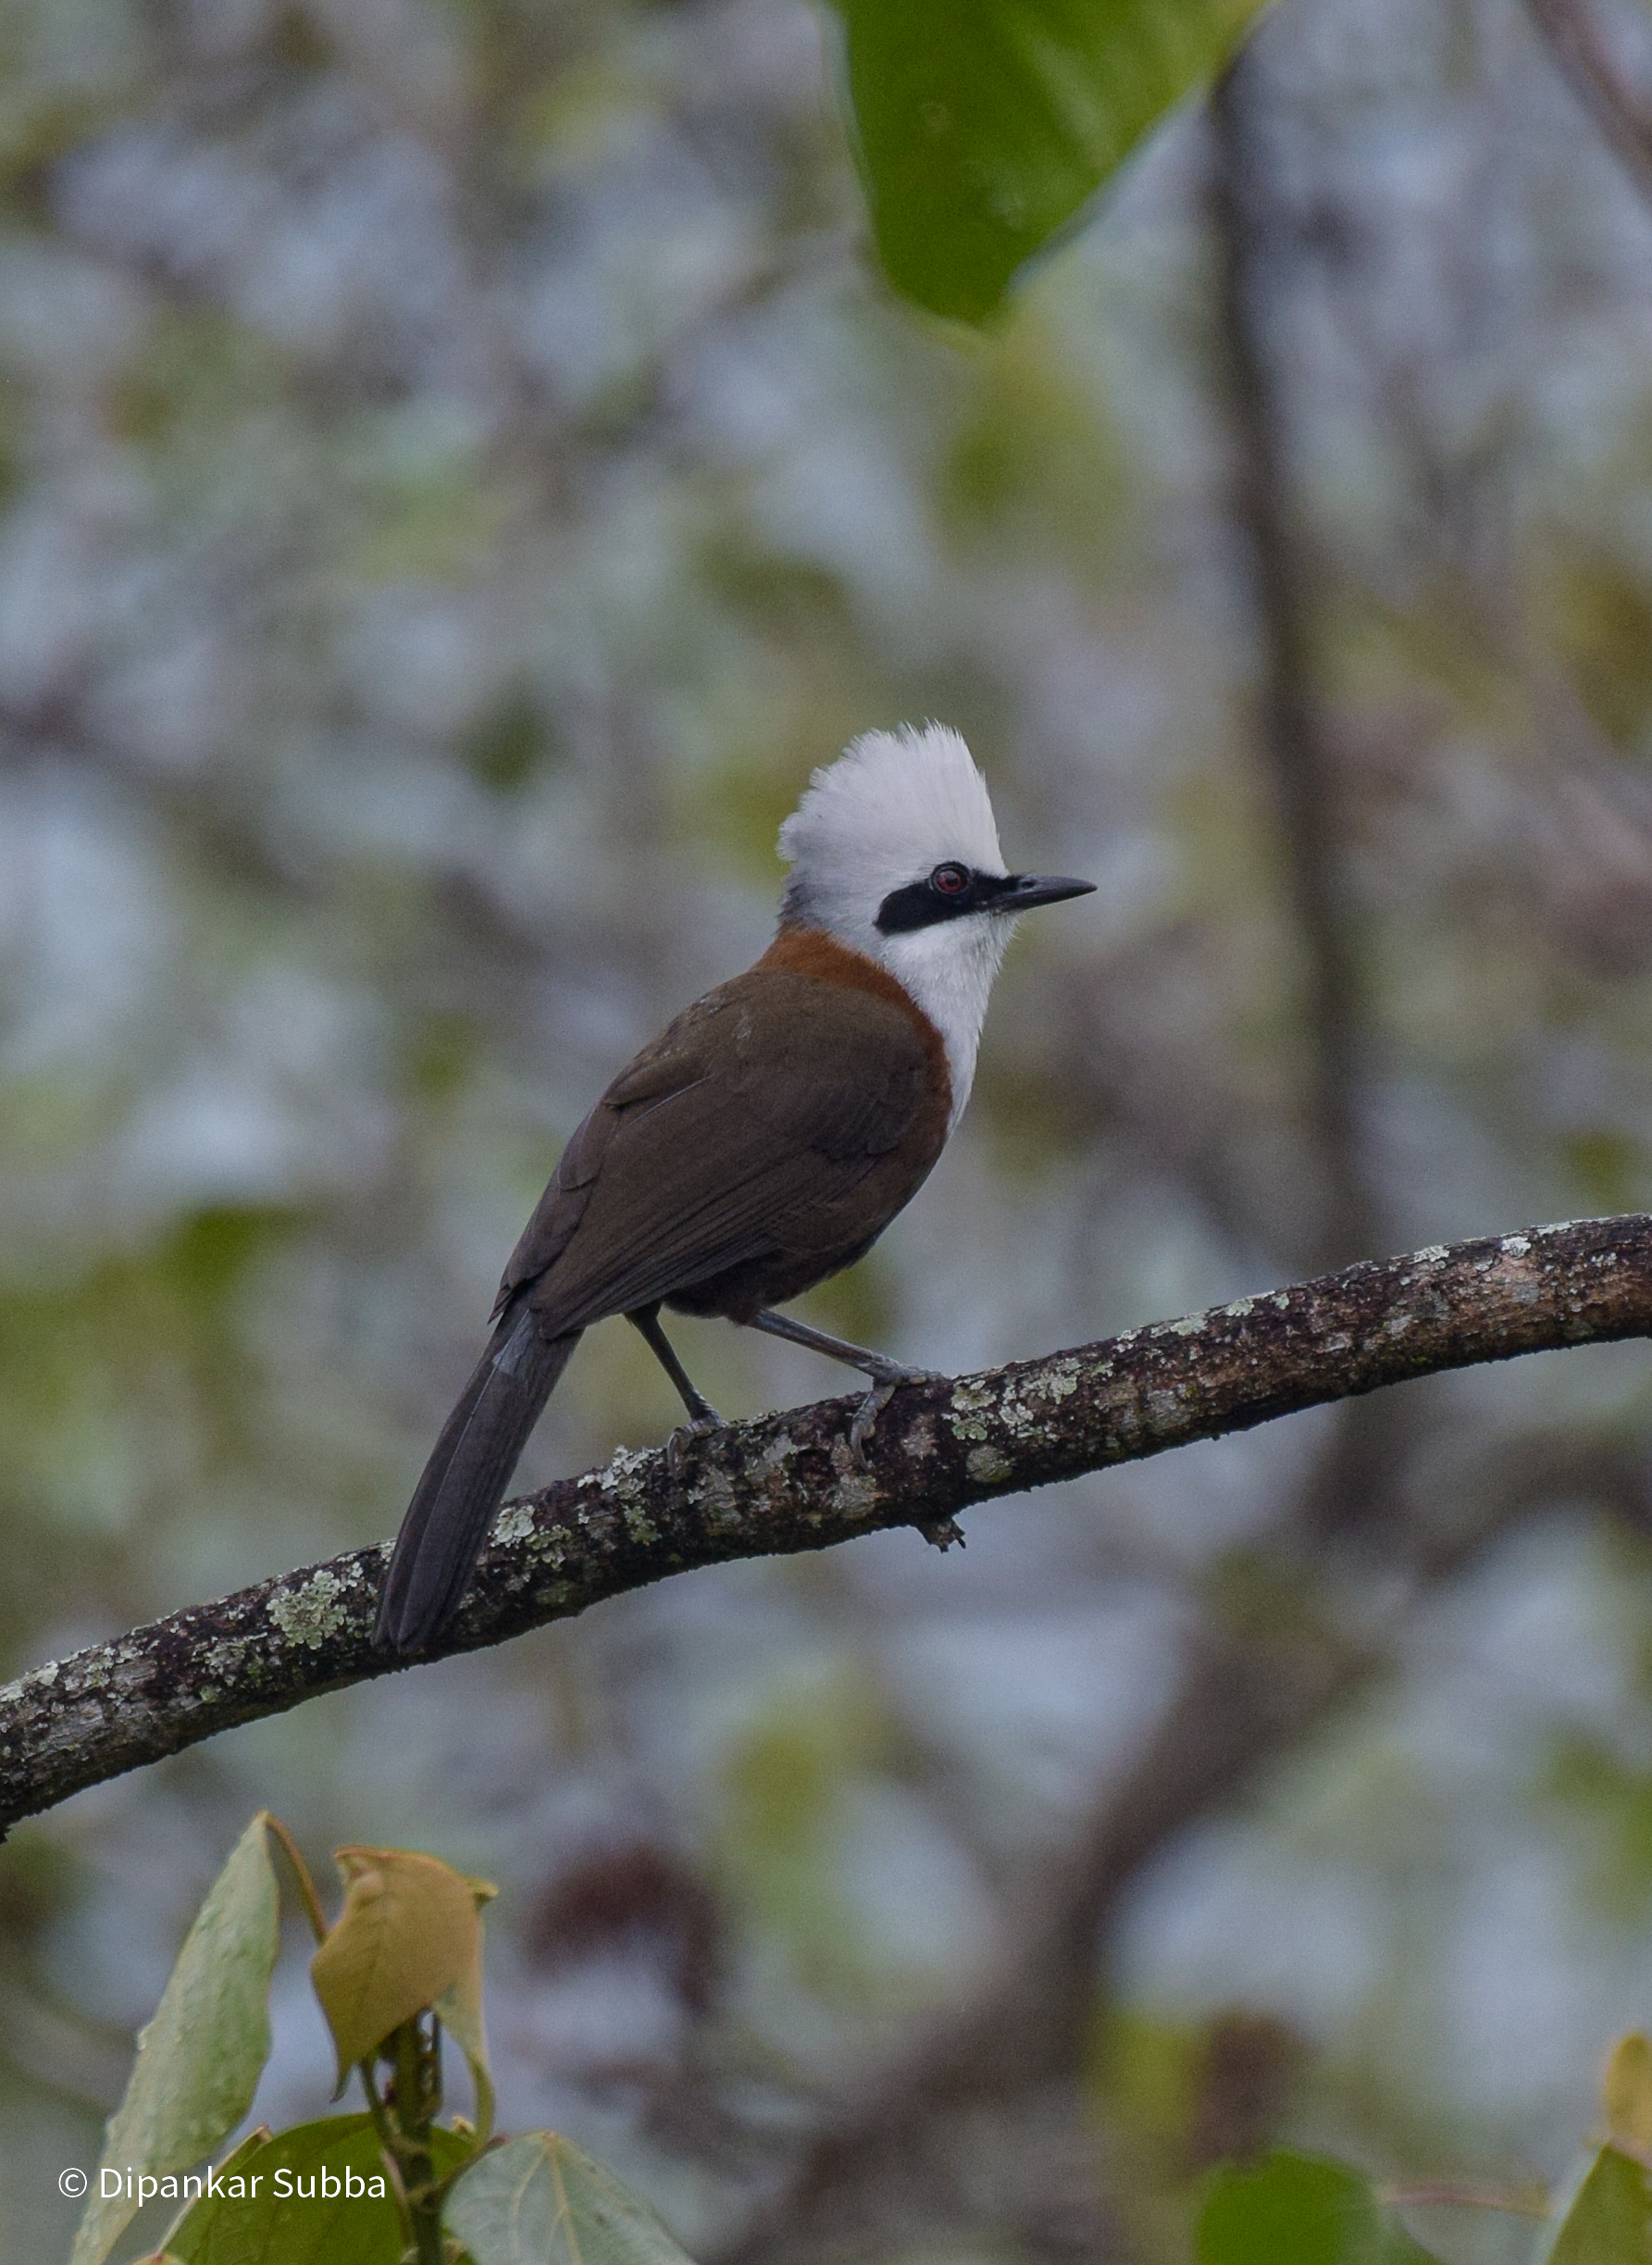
{"points": [[1626, 2094], [407, 1934], [459, 2009], [199, 2060]]}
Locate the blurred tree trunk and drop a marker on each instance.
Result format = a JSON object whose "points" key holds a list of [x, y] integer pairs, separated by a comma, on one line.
{"points": [[1249, 242]]}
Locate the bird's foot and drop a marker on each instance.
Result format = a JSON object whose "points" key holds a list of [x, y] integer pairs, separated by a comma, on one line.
{"points": [[891, 1375], [685, 1434]]}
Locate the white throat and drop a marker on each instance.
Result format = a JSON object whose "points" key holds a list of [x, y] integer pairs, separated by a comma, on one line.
{"points": [[947, 971]]}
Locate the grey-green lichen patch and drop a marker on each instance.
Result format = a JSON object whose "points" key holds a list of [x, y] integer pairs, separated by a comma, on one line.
{"points": [[625, 1469], [719, 1504], [514, 1523], [988, 1466], [781, 1450], [308, 1616], [639, 1527], [971, 1403], [1025, 1406], [855, 1494]]}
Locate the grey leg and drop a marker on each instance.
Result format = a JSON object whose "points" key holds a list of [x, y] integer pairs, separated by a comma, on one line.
{"points": [[886, 1373], [702, 1416]]}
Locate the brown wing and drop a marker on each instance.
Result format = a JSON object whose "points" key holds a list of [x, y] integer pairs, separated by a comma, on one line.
{"points": [[750, 1127]]}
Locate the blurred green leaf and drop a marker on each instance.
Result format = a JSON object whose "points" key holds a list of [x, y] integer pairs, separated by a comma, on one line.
{"points": [[1034, 460], [1298, 2210], [1608, 2218], [200, 2059], [982, 127], [790, 1785], [202, 373], [507, 743], [321, 2196], [1601, 611], [1610, 1801], [39, 1879], [541, 2201], [38, 125], [118, 1381], [1143, 2072], [1610, 1165]]}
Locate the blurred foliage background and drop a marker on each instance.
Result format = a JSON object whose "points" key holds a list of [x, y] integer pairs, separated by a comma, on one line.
{"points": [[459, 473]]}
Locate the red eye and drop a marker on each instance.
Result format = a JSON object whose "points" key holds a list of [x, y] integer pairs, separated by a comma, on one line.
{"points": [[951, 880]]}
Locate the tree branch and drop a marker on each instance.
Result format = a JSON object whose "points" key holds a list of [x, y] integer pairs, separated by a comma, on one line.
{"points": [[788, 1483], [1586, 62]]}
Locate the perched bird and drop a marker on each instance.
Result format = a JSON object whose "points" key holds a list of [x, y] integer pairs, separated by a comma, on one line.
{"points": [[764, 1141]]}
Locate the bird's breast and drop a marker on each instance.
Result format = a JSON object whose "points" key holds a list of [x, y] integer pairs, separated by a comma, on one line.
{"points": [[818, 958]]}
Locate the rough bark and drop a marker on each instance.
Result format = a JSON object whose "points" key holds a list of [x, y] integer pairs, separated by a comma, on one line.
{"points": [[788, 1483]]}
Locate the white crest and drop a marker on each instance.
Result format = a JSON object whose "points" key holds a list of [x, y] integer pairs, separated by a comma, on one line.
{"points": [[893, 807]]}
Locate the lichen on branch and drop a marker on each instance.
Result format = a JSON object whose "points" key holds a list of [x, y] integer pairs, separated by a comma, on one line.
{"points": [[790, 1482]]}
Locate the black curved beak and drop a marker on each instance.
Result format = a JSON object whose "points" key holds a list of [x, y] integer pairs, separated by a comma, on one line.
{"points": [[1026, 889]]}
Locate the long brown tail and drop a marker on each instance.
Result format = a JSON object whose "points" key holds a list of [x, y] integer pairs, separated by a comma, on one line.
{"points": [[465, 1480]]}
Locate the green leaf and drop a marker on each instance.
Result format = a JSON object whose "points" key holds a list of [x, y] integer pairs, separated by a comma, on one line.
{"points": [[199, 2060], [233, 2162], [1609, 2219], [408, 1932], [982, 126], [541, 2201], [317, 2194], [1298, 2210]]}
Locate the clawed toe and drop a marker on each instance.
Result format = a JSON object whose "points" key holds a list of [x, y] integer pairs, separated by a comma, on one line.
{"points": [[684, 1434], [866, 1415], [877, 1399]]}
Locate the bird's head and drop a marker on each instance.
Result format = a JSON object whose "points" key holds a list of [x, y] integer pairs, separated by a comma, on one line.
{"points": [[894, 852]]}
